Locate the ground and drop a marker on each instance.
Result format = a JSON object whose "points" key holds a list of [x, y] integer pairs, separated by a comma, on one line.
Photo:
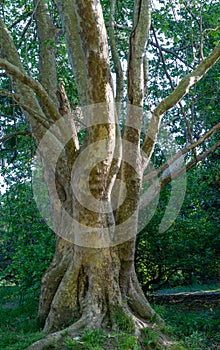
{"points": [[193, 323]]}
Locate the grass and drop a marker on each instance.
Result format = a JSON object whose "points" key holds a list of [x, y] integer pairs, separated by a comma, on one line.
{"points": [[18, 325], [196, 328]]}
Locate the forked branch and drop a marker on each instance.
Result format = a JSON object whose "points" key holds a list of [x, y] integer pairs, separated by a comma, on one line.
{"points": [[36, 114], [168, 176], [33, 84], [164, 180]]}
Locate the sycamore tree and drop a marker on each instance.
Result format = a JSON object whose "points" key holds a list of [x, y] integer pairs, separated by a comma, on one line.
{"points": [[96, 134]]}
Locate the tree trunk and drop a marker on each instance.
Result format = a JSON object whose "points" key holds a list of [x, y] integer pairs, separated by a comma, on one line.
{"points": [[89, 286]]}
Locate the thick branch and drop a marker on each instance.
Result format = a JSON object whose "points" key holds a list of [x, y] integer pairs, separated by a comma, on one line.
{"points": [[115, 56], [33, 84], [68, 17], [138, 40], [94, 42], [47, 63], [26, 96], [179, 92]]}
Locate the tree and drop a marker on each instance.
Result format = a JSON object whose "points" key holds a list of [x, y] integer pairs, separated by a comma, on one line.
{"points": [[188, 252], [94, 186]]}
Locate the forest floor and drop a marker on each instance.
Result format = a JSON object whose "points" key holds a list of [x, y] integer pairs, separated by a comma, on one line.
{"points": [[189, 299], [192, 318], [192, 315]]}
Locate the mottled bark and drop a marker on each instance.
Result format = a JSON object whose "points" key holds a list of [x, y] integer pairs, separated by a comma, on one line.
{"points": [[95, 283], [75, 53], [47, 34]]}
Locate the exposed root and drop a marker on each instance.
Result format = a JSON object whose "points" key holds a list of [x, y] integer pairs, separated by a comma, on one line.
{"points": [[97, 290], [142, 331], [139, 304], [93, 320], [55, 337], [52, 278], [46, 342]]}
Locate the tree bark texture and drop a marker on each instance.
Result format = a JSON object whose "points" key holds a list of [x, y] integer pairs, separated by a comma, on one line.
{"points": [[89, 286]]}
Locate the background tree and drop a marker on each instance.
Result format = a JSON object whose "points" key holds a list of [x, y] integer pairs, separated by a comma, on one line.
{"points": [[188, 252], [92, 273]]}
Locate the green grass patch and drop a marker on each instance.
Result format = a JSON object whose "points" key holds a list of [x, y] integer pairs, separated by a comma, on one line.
{"points": [[99, 340], [193, 329], [124, 323], [18, 325], [197, 329], [150, 338]]}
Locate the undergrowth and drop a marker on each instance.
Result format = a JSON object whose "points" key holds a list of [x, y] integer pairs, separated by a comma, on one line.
{"points": [[198, 327], [195, 329]]}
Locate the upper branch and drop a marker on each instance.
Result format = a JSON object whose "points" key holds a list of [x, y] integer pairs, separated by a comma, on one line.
{"points": [[172, 86], [138, 40], [46, 32], [33, 84], [176, 95], [68, 17], [187, 82], [26, 96], [115, 56], [94, 43]]}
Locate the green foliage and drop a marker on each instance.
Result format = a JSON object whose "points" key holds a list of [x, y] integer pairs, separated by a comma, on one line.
{"points": [[18, 324], [188, 251], [150, 338], [90, 340], [126, 342], [198, 327], [27, 244], [124, 322]]}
